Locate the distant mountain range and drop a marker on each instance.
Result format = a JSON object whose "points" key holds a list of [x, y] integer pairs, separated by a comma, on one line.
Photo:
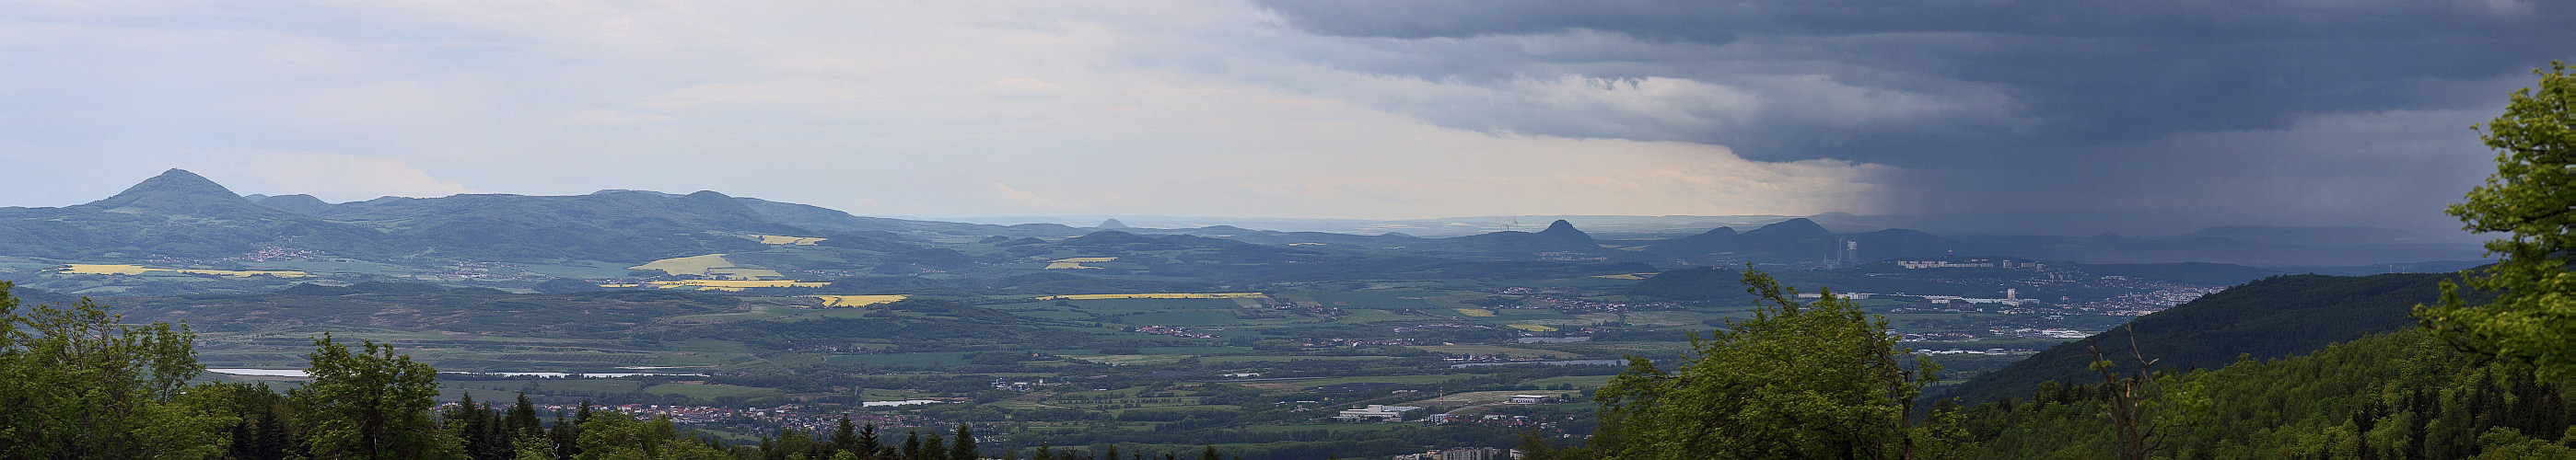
{"points": [[180, 216]]}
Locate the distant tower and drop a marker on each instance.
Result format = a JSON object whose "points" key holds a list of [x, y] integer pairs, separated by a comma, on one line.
{"points": [[2010, 295]]}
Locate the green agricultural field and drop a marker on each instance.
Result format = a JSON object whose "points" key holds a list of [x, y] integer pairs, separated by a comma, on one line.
{"points": [[1390, 299], [1193, 350], [1372, 316], [1269, 359], [1130, 360], [1281, 321], [706, 346], [1906, 320], [1625, 348], [534, 387], [1187, 408], [1336, 428], [1398, 379], [1071, 315], [1460, 350], [1524, 314], [1116, 306], [1183, 318], [907, 359], [885, 394], [1579, 381], [704, 391]]}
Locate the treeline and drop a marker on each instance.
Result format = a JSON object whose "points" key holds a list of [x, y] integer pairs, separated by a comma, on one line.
{"points": [[2402, 395], [75, 382]]}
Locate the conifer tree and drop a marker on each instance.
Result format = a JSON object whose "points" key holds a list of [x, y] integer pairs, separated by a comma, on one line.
{"points": [[870, 444], [934, 447], [523, 418], [845, 438], [964, 447]]}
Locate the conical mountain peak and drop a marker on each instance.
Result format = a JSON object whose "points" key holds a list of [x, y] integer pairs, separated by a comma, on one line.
{"points": [[1792, 227], [178, 181], [178, 191], [1112, 223], [1565, 231]]}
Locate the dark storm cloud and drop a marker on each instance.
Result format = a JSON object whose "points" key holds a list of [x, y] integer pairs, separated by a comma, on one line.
{"points": [[2088, 71], [2079, 81]]}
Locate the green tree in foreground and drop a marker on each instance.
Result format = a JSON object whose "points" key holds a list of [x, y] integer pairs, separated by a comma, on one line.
{"points": [[2144, 414], [2532, 199], [1797, 380], [371, 405], [617, 436], [964, 447], [2400, 395], [76, 384]]}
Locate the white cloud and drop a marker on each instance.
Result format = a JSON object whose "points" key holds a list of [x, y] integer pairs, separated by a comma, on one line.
{"points": [[940, 109]]}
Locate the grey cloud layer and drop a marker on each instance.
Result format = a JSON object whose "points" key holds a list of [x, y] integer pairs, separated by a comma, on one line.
{"points": [[2042, 95], [2082, 71]]}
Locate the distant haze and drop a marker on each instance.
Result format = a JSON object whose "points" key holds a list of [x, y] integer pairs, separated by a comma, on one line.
{"points": [[2066, 117]]}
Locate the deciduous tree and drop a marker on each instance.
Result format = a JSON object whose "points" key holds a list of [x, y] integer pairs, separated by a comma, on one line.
{"points": [[74, 383], [2531, 199], [1817, 379], [373, 405]]}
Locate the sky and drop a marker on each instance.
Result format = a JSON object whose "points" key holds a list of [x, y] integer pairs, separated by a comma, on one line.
{"points": [[2063, 114]]}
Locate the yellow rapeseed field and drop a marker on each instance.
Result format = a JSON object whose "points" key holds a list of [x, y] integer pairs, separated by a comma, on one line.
{"points": [[1066, 266], [1086, 259], [1476, 312], [1165, 295], [857, 300], [1533, 328], [121, 269]]}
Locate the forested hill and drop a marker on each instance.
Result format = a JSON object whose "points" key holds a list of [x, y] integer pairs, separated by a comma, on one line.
{"points": [[2268, 318]]}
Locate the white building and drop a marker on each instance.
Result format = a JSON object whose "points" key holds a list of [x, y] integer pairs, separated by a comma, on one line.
{"points": [[1527, 399], [1472, 453], [1376, 412]]}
